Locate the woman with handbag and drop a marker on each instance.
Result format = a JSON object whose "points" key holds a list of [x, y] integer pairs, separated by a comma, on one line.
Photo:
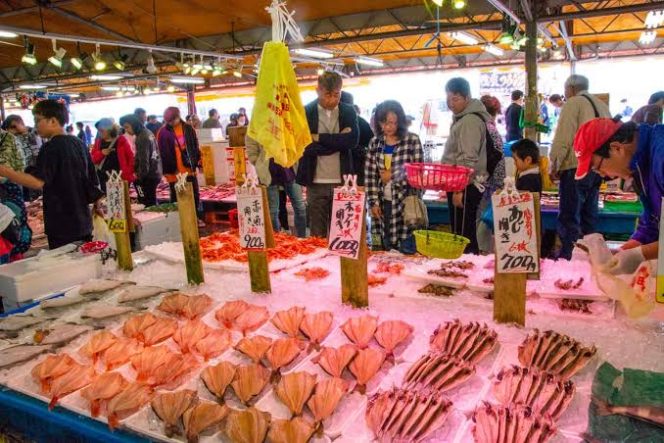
{"points": [[180, 154], [112, 152], [388, 191]]}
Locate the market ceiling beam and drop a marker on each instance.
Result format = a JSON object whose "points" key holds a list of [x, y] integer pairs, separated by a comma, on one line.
{"points": [[568, 43], [89, 23], [34, 9]]}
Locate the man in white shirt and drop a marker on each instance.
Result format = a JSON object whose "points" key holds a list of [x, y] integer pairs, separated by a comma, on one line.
{"points": [[578, 211]]}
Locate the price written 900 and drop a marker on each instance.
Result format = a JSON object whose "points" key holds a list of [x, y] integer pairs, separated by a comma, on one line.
{"points": [[254, 242]]}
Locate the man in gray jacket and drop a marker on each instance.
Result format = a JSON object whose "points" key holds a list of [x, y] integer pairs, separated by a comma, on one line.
{"points": [[466, 146]]}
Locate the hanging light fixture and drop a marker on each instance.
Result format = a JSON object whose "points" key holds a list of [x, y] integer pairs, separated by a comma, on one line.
{"points": [[76, 62], [150, 68], [29, 57], [647, 37], [58, 55], [369, 61], [8, 34], [170, 88], [119, 63], [458, 4], [464, 38], [237, 73], [438, 3], [100, 64]]}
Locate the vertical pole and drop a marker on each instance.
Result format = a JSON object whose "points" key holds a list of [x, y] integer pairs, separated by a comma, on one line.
{"points": [[125, 260], [532, 111], [2, 108], [236, 137], [189, 228], [354, 284], [259, 272], [191, 100]]}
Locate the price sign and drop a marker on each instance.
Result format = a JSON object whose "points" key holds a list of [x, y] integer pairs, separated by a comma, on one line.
{"points": [[116, 210], [346, 225], [250, 217], [516, 233]]}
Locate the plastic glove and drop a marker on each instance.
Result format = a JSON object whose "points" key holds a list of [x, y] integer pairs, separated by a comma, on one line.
{"points": [[600, 254], [626, 261]]}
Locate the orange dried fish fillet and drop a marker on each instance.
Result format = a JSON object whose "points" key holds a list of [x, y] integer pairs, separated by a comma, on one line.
{"points": [[365, 365], [227, 314], [134, 327], [78, 376], [201, 417], [150, 359], [102, 389], [120, 353], [51, 367], [251, 319], [325, 400], [197, 306], [247, 426], [249, 381], [127, 402], [282, 352], [289, 321], [190, 333], [254, 347], [294, 389], [173, 303], [170, 407], [316, 326], [218, 378], [334, 361], [390, 334], [215, 343], [296, 430], [161, 330], [171, 375], [97, 344], [360, 330]]}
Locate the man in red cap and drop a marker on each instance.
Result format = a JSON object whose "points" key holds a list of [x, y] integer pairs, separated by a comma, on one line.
{"points": [[625, 150]]}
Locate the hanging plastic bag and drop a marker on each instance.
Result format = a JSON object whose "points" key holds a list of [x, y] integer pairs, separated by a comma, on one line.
{"points": [[637, 297], [100, 231], [278, 121]]}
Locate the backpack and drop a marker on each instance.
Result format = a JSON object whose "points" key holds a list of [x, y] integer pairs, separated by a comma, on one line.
{"points": [[493, 154]]}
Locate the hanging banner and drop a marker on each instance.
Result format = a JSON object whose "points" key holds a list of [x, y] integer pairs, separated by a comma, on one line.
{"points": [[501, 83], [250, 217], [346, 224], [116, 214], [516, 233]]}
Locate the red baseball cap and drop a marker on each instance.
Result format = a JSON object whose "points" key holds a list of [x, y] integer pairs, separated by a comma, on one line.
{"points": [[589, 138]]}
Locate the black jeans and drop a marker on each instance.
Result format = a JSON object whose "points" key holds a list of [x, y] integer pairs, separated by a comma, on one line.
{"points": [[147, 191], [197, 194], [464, 220], [319, 205], [578, 212]]}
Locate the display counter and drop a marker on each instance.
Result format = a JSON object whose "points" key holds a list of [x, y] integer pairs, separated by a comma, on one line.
{"points": [[397, 293]]}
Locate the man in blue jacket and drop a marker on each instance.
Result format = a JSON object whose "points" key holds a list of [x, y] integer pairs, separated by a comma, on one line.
{"points": [[615, 149], [329, 157]]}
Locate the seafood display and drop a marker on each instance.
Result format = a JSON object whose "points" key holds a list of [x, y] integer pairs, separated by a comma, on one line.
{"points": [[222, 246], [470, 342], [365, 365], [568, 284], [386, 267], [554, 353], [102, 390], [544, 393], [574, 305], [326, 398], [188, 335], [185, 306], [518, 424], [60, 334], [334, 361], [171, 406], [294, 389], [453, 269], [374, 280], [437, 290], [403, 415], [97, 286], [316, 326], [77, 377], [247, 426], [282, 352], [52, 367], [127, 402], [249, 319], [213, 344], [295, 430], [120, 353], [390, 334], [360, 330], [289, 321], [439, 371], [249, 381], [254, 347], [21, 353], [310, 274], [200, 417], [101, 312], [134, 293], [218, 378]]}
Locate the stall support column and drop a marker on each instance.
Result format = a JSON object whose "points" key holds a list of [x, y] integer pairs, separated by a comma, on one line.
{"points": [[531, 111], [259, 271], [122, 242], [189, 229], [354, 274]]}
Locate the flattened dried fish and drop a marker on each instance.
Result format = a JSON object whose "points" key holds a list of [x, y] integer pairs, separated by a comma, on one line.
{"points": [[470, 342], [515, 423], [64, 333], [18, 354], [63, 302], [96, 286], [438, 371], [17, 322], [100, 312], [554, 353], [134, 293]]}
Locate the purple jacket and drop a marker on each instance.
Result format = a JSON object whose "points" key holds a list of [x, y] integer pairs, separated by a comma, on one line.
{"points": [[648, 167], [167, 143]]}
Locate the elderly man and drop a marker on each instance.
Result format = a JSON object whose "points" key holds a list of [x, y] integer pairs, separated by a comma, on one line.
{"points": [[578, 209]]}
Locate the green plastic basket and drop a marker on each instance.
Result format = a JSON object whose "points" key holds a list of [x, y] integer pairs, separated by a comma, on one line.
{"points": [[438, 244]]}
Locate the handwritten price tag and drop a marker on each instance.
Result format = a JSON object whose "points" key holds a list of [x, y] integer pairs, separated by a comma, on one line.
{"points": [[250, 218], [346, 225], [516, 233], [116, 215]]}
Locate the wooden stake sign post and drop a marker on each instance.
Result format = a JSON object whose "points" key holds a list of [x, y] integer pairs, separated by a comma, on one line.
{"points": [[517, 254], [255, 232], [348, 233], [189, 229], [120, 218]]}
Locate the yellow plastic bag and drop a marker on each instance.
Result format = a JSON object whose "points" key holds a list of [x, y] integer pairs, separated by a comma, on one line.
{"points": [[100, 231], [278, 121]]}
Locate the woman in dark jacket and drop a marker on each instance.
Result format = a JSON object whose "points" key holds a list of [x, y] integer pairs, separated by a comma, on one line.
{"points": [[180, 153], [147, 165]]}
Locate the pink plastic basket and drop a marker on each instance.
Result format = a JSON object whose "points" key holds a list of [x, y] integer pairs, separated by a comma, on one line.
{"points": [[438, 176]]}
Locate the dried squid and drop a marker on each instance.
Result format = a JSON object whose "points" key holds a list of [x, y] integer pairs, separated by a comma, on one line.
{"points": [[254, 347], [554, 353], [78, 376], [202, 416], [470, 342], [218, 378], [365, 365], [227, 314], [334, 361], [127, 403], [438, 371], [289, 321], [325, 400], [102, 389], [296, 430], [247, 426], [294, 389], [316, 326], [249, 381], [515, 423], [170, 407], [360, 330], [390, 334]]}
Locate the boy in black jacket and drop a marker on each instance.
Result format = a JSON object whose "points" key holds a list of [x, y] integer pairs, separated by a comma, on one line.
{"points": [[526, 158]]}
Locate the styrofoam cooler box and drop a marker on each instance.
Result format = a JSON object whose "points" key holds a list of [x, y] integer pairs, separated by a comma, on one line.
{"points": [[222, 173], [211, 135], [156, 228], [37, 277]]}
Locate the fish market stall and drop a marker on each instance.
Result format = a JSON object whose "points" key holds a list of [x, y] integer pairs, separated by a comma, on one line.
{"points": [[158, 360]]}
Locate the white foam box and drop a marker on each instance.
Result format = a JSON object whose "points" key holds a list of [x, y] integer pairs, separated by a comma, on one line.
{"points": [[222, 173], [35, 278], [211, 135], [157, 227]]}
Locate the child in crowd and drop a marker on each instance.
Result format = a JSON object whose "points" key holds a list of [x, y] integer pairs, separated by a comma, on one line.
{"points": [[526, 159]]}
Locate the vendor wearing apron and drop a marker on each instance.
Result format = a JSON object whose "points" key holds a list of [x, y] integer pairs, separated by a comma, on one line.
{"points": [[615, 149]]}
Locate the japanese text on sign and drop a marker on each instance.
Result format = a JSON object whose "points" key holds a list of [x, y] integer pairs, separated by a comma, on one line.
{"points": [[346, 224], [516, 233], [116, 211], [251, 218]]}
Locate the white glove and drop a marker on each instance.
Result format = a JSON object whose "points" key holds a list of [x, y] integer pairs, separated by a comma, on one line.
{"points": [[626, 261]]}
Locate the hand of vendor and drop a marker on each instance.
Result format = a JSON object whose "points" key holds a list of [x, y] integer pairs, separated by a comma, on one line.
{"points": [[630, 244], [385, 176], [626, 261], [457, 199], [376, 212]]}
